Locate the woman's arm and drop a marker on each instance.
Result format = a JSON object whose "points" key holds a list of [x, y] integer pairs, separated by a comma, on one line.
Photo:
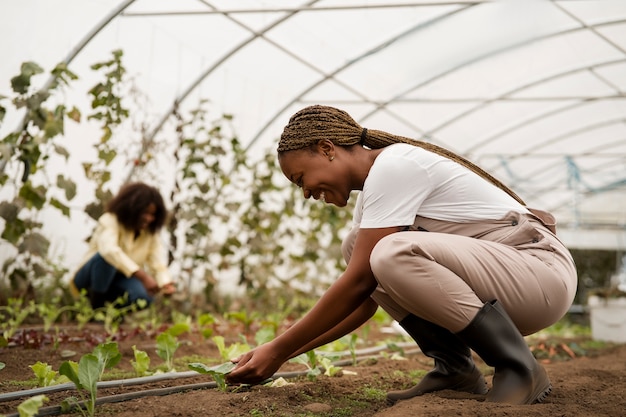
{"points": [[352, 322], [345, 296]]}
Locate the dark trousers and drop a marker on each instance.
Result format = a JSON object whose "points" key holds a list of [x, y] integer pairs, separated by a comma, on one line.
{"points": [[104, 283]]}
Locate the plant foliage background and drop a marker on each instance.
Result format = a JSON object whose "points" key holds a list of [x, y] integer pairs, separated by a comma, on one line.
{"points": [[232, 217]]}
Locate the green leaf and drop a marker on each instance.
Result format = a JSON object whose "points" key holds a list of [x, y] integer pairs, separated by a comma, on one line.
{"points": [[166, 346], [141, 364], [107, 354], [36, 244], [44, 373], [9, 211], [74, 114], [61, 151], [178, 329], [70, 370], [89, 370], [67, 185], [62, 207], [107, 155], [30, 407], [34, 197], [2, 365]]}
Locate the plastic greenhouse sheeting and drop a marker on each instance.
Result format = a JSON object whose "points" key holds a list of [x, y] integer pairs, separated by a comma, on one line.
{"points": [[531, 90]]}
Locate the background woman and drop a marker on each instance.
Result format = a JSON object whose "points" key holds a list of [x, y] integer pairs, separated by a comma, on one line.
{"points": [[125, 252]]}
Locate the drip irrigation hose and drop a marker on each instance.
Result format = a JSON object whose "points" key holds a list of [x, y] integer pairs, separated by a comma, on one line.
{"points": [[57, 409]]}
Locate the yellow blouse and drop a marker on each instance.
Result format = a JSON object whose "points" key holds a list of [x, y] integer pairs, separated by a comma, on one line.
{"points": [[119, 247]]}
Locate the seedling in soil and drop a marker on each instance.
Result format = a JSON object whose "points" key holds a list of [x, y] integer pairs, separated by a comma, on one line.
{"points": [[141, 364], [31, 406], [88, 371], [217, 372], [166, 346], [232, 351], [46, 376]]}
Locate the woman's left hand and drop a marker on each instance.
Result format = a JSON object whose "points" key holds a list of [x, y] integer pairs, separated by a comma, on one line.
{"points": [[255, 366]]}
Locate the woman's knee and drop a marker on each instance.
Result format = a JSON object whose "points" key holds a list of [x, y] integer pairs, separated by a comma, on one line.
{"points": [[384, 257]]}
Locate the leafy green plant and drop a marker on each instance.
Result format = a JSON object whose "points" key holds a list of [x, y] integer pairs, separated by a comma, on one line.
{"points": [[30, 407], [141, 364], [88, 371], [167, 344], [217, 372], [46, 376], [205, 324], [50, 312], [13, 315], [231, 351]]}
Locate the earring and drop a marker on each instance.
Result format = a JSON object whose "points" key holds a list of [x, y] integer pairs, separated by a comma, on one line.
{"points": [[332, 157]]}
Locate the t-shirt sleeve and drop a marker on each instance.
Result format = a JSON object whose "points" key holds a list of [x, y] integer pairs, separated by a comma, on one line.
{"points": [[394, 190]]}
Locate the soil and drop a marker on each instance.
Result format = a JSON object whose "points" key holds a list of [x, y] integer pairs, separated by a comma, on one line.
{"points": [[591, 383]]}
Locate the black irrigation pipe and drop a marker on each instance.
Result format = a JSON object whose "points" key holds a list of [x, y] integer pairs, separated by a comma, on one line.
{"points": [[57, 409]]}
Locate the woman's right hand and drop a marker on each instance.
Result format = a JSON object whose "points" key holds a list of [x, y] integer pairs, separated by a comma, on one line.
{"points": [[256, 365], [148, 282]]}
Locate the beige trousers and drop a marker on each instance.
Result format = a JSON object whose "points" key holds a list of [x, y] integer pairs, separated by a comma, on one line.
{"points": [[444, 272]]}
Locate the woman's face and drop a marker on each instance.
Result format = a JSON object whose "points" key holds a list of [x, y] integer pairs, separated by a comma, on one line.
{"points": [[317, 175], [147, 216]]}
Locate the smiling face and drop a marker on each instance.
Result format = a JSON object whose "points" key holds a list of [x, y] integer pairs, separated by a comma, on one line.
{"points": [[318, 173], [147, 216]]}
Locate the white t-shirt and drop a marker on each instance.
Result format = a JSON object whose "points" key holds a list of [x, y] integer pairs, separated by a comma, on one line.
{"points": [[407, 180]]}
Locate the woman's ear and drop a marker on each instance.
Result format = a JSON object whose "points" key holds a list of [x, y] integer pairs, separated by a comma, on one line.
{"points": [[326, 147]]}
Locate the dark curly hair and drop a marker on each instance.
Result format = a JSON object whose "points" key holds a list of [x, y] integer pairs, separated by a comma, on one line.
{"points": [[132, 200]]}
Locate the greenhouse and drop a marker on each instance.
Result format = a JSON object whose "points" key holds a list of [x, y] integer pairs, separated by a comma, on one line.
{"points": [[191, 97]]}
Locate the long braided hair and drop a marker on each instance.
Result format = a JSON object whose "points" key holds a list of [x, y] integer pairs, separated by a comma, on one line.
{"points": [[314, 123]]}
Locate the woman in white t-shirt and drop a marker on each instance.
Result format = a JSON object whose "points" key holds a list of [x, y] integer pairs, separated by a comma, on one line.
{"points": [[447, 250]]}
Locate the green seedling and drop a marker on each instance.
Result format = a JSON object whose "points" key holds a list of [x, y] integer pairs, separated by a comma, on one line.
{"points": [[166, 346], [50, 312], [265, 334], [31, 406], [141, 364], [232, 351], [217, 372], [88, 371], [13, 314], [46, 376], [308, 359], [205, 323], [2, 365]]}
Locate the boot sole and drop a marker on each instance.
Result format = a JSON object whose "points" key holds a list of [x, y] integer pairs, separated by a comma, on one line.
{"points": [[541, 397]]}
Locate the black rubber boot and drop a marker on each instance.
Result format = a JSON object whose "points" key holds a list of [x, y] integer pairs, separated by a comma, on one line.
{"points": [[518, 378], [454, 367]]}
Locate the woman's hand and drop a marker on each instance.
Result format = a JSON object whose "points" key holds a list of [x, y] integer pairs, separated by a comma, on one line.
{"points": [[168, 289], [255, 366], [148, 281]]}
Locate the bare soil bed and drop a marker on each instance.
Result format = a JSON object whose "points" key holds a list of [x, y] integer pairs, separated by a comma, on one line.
{"points": [[589, 384]]}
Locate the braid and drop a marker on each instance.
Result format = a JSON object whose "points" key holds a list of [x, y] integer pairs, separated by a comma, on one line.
{"points": [[314, 123]]}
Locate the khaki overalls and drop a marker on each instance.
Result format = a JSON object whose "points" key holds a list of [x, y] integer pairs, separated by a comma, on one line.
{"points": [[444, 272]]}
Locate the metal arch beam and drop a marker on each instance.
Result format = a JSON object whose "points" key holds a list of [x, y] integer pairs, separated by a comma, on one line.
{"points": [[558, 138], [536, 82], [255, 35], [75, 51], [480, 58], [311, 9], [349, 64], [573, 132], [553, 112]]}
